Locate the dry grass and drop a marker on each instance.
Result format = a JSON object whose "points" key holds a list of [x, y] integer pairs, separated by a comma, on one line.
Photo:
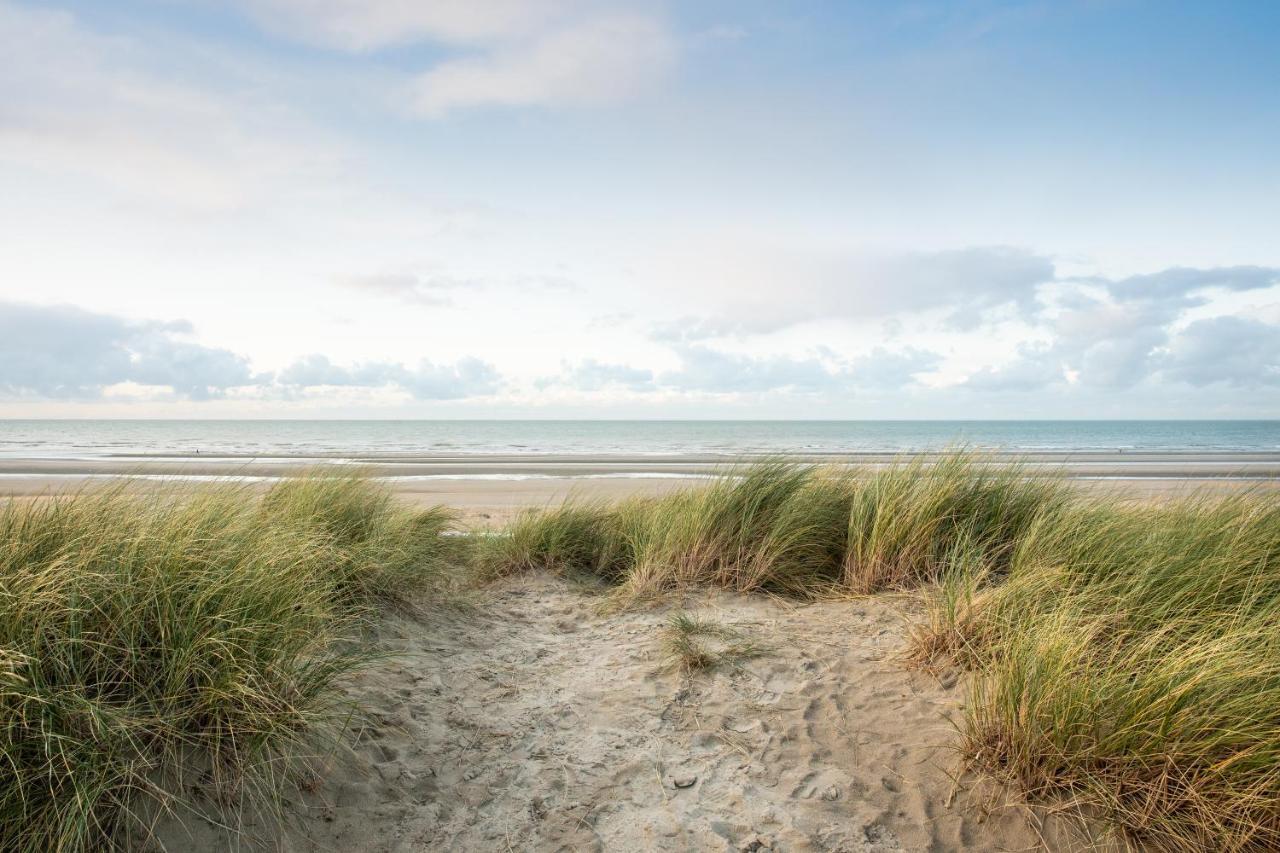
{"points": [[692, 643]]}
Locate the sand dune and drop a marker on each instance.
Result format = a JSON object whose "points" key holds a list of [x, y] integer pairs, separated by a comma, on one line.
{"points": [[536, 723]]}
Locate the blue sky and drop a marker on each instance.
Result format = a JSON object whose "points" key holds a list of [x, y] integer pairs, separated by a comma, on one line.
{"points": [[604, 209]]}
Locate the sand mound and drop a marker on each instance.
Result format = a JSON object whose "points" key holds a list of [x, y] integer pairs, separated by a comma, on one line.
{"points": [[537, 724]]}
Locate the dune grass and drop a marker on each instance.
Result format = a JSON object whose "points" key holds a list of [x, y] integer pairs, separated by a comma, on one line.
{"points": [[147, 638], [1126, 655], [788, 528], [1129, 663]]}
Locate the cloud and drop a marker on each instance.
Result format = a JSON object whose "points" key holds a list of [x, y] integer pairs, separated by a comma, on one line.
{"points": [[65, 352], [1231, 351], [83, 104], [1034, 368], [414, 289], [704, 369], [362, 25], [1116, 341], [887, 370], [592, 375], [515, 53], [317, 370], [1180, 282], [467, 377], [438, 289], [1115, 334], [757, 292], [594, 62], [690, 329], [1107, 327], [1235, 351]]}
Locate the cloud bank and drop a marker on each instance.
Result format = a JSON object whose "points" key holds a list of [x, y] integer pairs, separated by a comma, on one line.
{"points": [[61, 352], [1105, 336]]}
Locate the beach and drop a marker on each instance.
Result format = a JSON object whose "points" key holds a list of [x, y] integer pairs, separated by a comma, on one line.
{"points": [[619, 426], [538, 723], [491, 488], [798, 654]]}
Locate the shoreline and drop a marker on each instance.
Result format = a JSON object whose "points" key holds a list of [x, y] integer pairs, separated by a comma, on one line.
{"points": [[488, 490], [1072, 463]]}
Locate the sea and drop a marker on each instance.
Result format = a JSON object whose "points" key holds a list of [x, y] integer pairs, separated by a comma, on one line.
{"points": [[81, 439]]}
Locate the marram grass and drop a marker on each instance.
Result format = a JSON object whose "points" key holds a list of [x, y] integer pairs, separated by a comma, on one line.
{"points": [[1126, 654], [1128, 662], [144, 638], [790, 528]]}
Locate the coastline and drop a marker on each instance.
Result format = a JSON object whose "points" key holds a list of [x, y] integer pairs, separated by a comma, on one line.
{"points": [[491, 488]]}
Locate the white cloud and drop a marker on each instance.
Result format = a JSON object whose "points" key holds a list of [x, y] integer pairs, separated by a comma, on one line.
{"points": [[407, 287], [515, 53], [1181, 283], [80, 103], [1114, 334], [467, 377], [1235, 351], [1034, 368], [712, 371], [888, 370], [64, 352], [704, 369], [592, 62], [360, 25], [60, 351], [592, 375], [753, 291]]}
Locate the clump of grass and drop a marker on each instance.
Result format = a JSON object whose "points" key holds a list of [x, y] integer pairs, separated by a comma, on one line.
{"points": [[1129, 663], [147, 636], [772, 526], [381, 552], [949, 630], [793, 529], [574, 538], [694, 644], [906, 519]]}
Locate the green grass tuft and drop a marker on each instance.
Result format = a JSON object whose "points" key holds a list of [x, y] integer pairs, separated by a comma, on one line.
{"points": [[1128, 663], [147, 637]]}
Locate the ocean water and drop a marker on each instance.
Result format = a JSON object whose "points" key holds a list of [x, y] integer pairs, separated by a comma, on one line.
{"points": [[354, 439]]}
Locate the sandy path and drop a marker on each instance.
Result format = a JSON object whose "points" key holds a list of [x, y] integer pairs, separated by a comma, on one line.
{"points": [[537, 724]]}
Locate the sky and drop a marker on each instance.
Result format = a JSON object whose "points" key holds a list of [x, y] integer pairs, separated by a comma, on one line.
{"points": [[597, 209]]}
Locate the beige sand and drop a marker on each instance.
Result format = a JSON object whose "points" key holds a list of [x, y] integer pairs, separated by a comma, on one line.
{"points": [[491, 502], [535, 723], [482, 503]]}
